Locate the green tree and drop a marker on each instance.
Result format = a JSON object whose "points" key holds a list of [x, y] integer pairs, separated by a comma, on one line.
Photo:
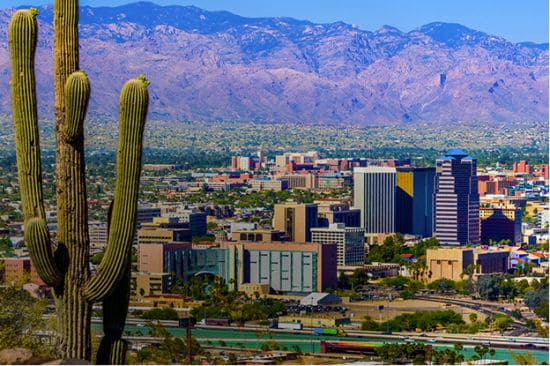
{"points": [[5, 245], [402, 353], [534, 298], [469, 273], [389, 251], [488, 287], [481, 351], [542, 309], [425, 320], [343, 281], [442, 285], [212, 226], [446, 357], [541, 329], [369, 324], [502, 322], [406, 294], [359, 277], [399, 282], [20, 320], [419, 249], [524, 358], [418, 268], [170, 350], [161, 314]]}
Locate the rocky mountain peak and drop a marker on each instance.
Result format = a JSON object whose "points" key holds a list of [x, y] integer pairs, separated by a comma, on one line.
{"points": [[207, 66]]}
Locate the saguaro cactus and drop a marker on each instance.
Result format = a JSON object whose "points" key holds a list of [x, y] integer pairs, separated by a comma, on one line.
{"points": [[65, 265]]}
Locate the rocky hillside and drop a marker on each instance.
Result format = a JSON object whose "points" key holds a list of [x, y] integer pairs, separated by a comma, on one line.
{"points": [[206, 66]]}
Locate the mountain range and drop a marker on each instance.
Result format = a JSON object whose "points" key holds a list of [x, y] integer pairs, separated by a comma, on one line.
{"points": [[211, 66]]}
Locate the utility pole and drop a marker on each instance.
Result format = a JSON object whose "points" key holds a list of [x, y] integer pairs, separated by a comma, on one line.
{"points": [[188, 339]]}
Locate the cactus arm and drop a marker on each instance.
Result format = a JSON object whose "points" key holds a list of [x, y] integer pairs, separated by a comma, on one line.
{"points": [[134, 101], [22, 43], [112, 350], [77, 95], [38, 242]]}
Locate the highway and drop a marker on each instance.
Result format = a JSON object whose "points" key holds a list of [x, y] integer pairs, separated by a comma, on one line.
{"points": [[489, 309], [253, 337], [440, 338]]}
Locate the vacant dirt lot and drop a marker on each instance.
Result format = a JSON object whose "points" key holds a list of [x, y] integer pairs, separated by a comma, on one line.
{"points": [[394, 308]]}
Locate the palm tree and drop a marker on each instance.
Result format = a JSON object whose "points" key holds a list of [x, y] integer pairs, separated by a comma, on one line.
{"points": [[417, 268], [469, 271]]}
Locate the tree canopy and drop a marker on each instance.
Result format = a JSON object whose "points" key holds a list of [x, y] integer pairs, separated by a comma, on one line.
{"points": [[21, 323]]}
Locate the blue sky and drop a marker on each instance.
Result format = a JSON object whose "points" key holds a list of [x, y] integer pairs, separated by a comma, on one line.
{"points": [[516, 20]]}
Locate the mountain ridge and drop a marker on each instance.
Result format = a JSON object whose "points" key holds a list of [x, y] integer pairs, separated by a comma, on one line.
{"points": [[207, 66]]}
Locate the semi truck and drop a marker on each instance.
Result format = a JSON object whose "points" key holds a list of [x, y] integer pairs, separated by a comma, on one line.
{"points": [[329, 332], [292, 326], [215, 321]]}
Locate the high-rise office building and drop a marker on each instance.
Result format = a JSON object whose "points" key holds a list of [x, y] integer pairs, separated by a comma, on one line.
{"points": [[164, 230], [296, 220], [350, 242], [456, 199], [98, 234], [414, 201], [374, 195], [331, 212]]}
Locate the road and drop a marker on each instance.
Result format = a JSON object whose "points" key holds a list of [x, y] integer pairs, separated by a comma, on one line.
{"points": [[489, 309], [248, 337]]}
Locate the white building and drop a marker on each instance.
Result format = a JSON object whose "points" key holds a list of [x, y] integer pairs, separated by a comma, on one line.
{"points": [[350, 242], [374, 195]]}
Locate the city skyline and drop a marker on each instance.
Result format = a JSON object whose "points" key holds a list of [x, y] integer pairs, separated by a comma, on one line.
{"points": [[334, 229]]}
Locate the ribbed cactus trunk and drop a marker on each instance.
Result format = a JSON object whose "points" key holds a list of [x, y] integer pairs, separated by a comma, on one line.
{"points": [[65, 265], [72, 234]]}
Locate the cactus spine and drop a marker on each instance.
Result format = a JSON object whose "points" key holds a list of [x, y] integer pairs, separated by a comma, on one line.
{"points": [[65, 266]]}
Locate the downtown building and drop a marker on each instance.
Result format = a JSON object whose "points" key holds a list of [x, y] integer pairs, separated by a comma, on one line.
{"points": [[296, 220], [456, 199], [334, 211], [350, 242], [414, 201], [374, 194], [281, 266], [500, 224]]}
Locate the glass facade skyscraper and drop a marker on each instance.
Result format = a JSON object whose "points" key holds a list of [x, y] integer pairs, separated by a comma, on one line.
{"points": [[414, 201], [456, 199]]}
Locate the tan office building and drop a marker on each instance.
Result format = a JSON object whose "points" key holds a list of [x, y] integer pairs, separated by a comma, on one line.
{"points": [[147, 284], [258, 235], [450, 263], [296, 220], [151, 255], [163, 232]]}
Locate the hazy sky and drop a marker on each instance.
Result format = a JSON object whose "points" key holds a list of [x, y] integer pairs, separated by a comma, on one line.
{"points": [[516, 20]]}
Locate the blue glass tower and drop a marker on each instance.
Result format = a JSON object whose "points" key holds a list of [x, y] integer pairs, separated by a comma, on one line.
{"points": [[456, 199]]}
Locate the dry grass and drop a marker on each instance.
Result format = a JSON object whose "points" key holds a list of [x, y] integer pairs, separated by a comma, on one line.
{"points": [[394, 308]]}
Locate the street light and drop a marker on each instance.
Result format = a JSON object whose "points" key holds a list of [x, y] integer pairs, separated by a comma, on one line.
{"points": [[311, 321], [388, 331]]}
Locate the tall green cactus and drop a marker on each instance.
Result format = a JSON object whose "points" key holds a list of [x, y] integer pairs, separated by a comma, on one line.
{"points": [[65, 265]]}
